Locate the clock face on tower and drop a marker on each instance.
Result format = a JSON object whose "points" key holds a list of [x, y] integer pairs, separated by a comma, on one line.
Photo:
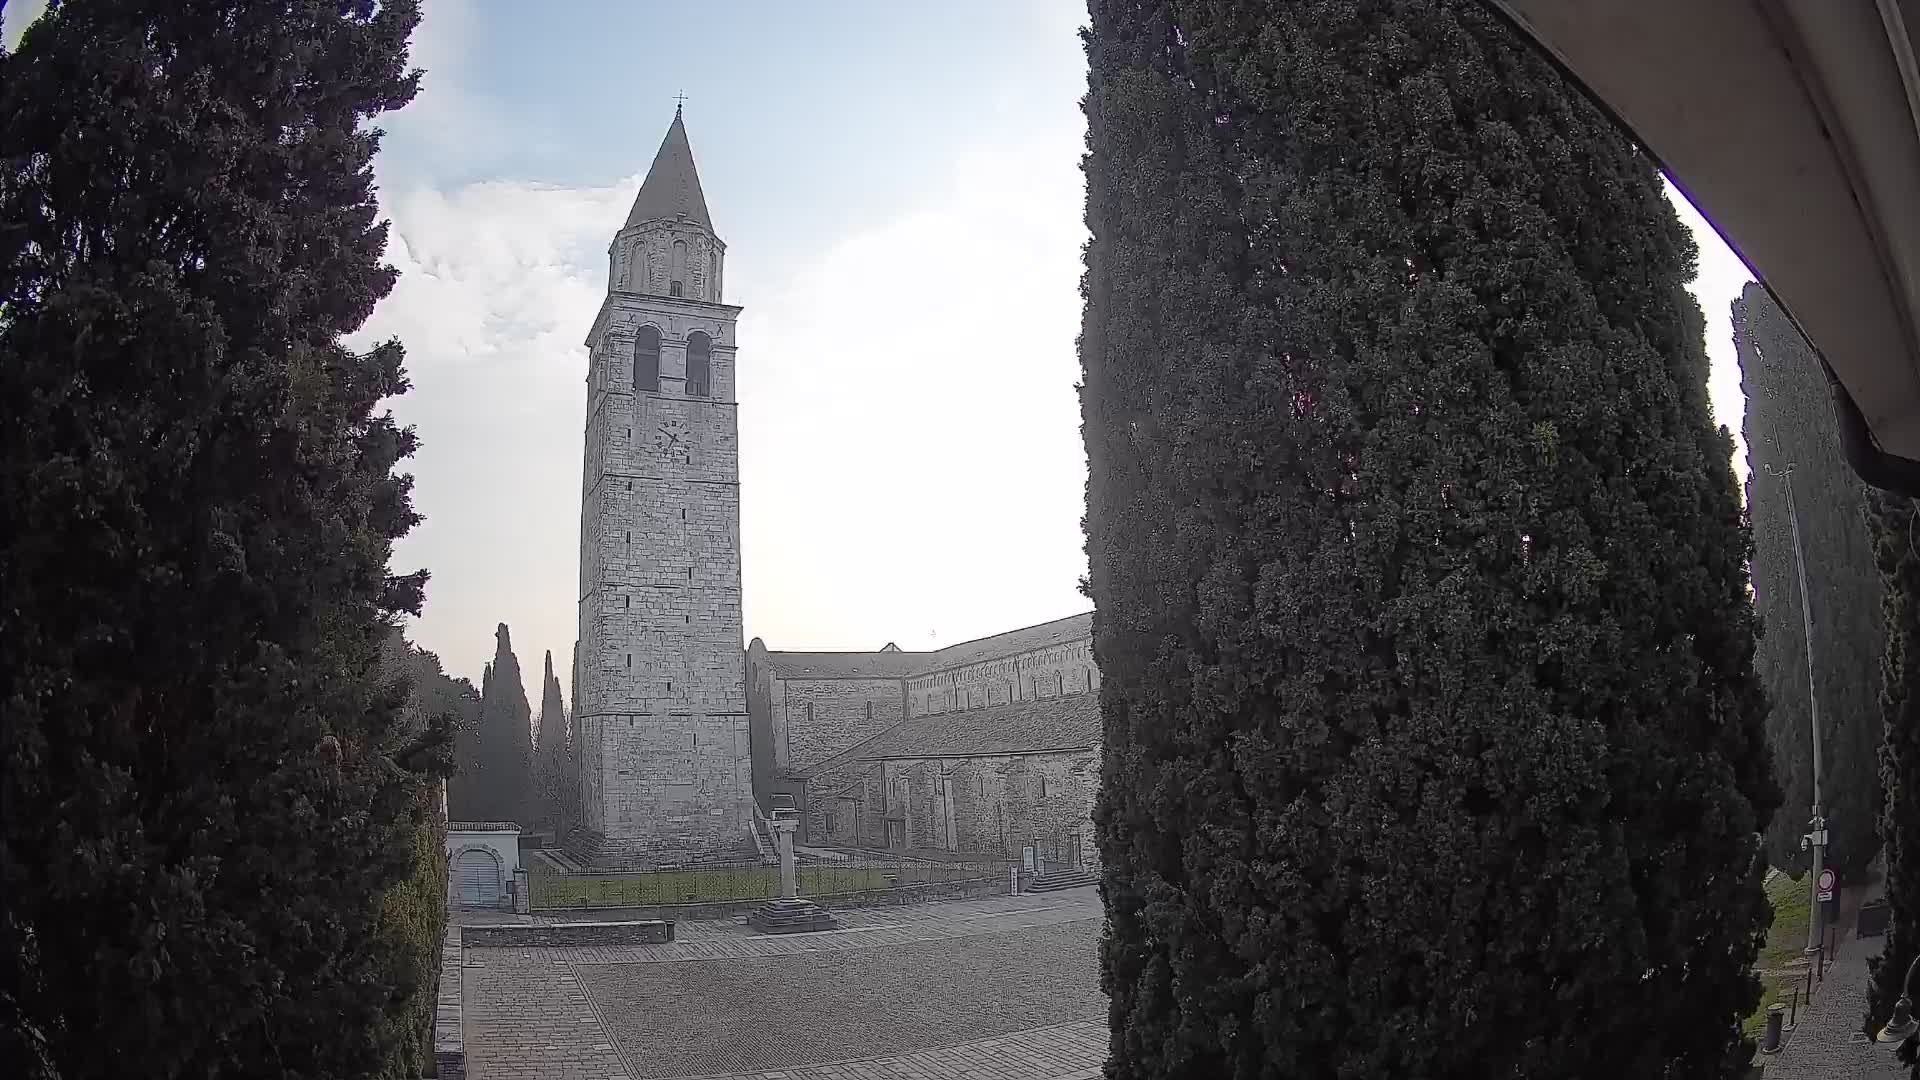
{"points": [[670, 439]]}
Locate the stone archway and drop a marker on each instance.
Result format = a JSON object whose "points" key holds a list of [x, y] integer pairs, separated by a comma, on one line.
{"points": [[476, 878]]}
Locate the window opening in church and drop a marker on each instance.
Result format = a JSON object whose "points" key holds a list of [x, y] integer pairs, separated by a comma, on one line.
{"points": [[1060, 677], [699, 367], [869, 710], [809, 712], [678, 277], [713, 276], [676, 289], [646, 361], [1043, 787]]}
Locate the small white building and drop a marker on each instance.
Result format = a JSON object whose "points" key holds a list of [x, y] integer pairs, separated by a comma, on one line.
{"points": [[482, 859]]}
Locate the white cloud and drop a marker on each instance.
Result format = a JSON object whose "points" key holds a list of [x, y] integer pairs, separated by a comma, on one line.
{"points": [[498, 285], [911, 457], [912, 466], [1722, 276], [15, 17]]}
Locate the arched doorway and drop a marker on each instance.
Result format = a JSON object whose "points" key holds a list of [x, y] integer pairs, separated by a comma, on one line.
{"points": [[476, 878]]}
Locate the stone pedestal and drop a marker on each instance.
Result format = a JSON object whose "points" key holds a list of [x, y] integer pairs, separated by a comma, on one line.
{"points": [[789, 914]]}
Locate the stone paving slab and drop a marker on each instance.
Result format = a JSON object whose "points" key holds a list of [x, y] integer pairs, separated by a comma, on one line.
{"points": [[1001, 988], [835, 1005], [1827, 1043], [1063, 1052], [532, 1022]]}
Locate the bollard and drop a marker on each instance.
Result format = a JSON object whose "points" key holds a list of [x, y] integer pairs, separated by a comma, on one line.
{"points": [[1776, 1015], [1793, 1018]]}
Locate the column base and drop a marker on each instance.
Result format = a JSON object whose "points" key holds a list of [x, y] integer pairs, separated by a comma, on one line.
{"points": [[791, 916]]}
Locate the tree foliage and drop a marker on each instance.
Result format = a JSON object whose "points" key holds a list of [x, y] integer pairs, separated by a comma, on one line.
{"points": [[1896, 532], [1789, 423], [550, 752], [209, 793], [1433, 744], [500, 786], [413, 912]]}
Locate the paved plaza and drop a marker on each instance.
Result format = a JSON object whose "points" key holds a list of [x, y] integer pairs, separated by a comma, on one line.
{"points": [[1005, 988]]}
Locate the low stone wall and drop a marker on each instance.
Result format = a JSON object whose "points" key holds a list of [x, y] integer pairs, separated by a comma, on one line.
{"points": [[449, 1042], [969, 889], [518, 935]]}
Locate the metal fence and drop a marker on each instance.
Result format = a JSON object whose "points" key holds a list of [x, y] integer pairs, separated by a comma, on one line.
{"points": [[869, 878]]}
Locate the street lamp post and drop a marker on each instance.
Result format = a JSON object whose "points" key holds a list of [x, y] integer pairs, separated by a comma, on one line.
{"points": [[1816, 838]]}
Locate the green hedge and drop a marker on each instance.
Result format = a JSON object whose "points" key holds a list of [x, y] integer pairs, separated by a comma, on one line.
{"points": [[413, 921]]}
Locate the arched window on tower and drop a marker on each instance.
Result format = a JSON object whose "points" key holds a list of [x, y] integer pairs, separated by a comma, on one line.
{"points": [[699, 365], [677, 279], [646, 361]]}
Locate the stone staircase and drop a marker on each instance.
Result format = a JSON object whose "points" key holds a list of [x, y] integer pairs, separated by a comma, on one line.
{"points": [[1061, 877], [796, 916], [554, 860], [763, 840]]}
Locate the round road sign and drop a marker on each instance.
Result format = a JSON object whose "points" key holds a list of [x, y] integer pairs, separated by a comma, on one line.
{"points": [[1826, 884]]}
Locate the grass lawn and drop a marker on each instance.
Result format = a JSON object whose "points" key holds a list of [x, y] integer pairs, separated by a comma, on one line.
{"points": [[647, 888], [1786, 937]]}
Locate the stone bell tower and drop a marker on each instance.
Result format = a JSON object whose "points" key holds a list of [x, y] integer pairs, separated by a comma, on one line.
{"points": [[661, 703]]}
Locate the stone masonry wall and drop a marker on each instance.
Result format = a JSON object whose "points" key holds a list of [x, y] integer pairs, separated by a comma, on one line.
{"points": [[997, 804], [1027, 676], [814, 719], [563, 935], [640, 260], [662, 693]]}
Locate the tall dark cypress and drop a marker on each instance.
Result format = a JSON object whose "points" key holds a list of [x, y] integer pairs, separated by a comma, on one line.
{"points": [[208, 787], [505, 755], [550, 751], [1896, 532], [1433, 741], [1789, 424]]}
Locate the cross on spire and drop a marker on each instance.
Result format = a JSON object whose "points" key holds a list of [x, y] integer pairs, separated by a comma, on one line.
{"points": [[679, 99]]}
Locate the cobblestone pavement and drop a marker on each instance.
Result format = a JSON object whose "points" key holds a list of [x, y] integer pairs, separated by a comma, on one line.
{"points": [[1004, 988], [1827, 1043], [1062, 1052]]}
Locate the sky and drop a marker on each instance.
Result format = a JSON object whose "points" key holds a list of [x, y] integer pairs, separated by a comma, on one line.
{"points": [[898, 186]]}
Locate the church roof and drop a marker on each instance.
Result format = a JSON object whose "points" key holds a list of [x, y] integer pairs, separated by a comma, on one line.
{"points": [[1026, 639], [892, 662], [844, 665], [1069, 722], [672, 186]]}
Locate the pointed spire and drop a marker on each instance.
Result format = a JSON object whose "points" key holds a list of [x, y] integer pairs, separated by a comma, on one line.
{"points": [[672, 187]]}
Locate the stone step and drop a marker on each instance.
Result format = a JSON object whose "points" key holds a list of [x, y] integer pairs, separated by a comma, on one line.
{"points": [[797, 916], [1054, 880]]}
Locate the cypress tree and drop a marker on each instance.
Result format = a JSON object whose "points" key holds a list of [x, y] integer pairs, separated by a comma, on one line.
{"points": [[1896, 525], [209, 790], [1433, 744], [550, 749], [465, 800], [1789, 423], [505, 765]]}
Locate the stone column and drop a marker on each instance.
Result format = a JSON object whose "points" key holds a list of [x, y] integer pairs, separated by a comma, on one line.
{"points": [[788, 913], [783, 830]]}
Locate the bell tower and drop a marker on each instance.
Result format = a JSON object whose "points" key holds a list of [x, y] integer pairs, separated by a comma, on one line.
{"points": [[661, 703]]}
